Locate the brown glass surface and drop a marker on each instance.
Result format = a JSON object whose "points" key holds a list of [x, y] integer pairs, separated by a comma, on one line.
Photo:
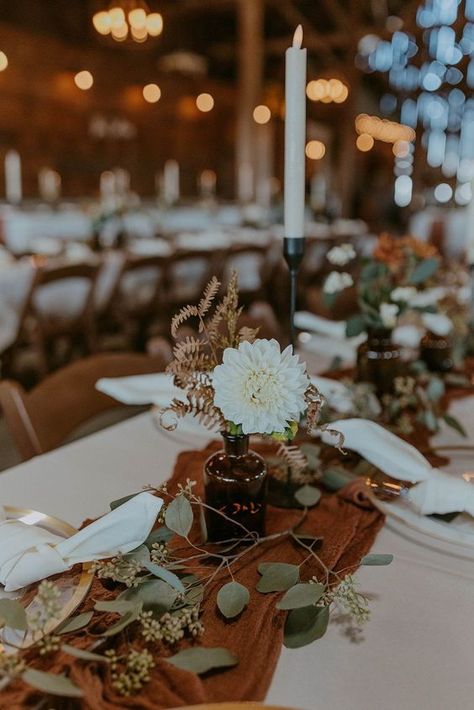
{"points": [[235, 484], [436, 351], [379, 361]]}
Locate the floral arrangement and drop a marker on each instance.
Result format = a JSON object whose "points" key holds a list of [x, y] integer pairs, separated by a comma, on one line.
{"points": [[233, 381], [392, 281], [159, 591]]}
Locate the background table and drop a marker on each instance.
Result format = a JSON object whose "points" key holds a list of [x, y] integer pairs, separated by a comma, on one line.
{"points": [[419, 645]]}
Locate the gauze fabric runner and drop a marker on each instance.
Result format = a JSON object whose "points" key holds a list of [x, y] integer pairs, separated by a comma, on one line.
{"points": [[435, 492], [255, 637], [29, 554]]}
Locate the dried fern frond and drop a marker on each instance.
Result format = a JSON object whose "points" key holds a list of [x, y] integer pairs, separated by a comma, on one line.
{"points": [[294, 457], [248, 334], [176, 410], [210, 292], [189, 347], [314, 403], [338, 435], [181, 317]]}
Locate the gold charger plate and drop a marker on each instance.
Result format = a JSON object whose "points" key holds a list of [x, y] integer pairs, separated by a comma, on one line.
{"points": [[72, 595]]}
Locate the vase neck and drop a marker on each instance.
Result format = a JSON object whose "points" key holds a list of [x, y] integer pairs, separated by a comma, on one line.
{"points": [[235, 445], [379, 333]]}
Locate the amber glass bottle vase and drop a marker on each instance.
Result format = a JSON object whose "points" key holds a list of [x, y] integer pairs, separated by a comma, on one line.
{"points": [[379, 361]]}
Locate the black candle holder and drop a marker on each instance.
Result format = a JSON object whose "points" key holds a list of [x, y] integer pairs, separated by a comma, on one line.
{"points": [[293, 252]]}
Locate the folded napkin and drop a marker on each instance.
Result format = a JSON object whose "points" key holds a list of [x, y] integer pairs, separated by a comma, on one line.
{"points": [[141, 389], [304, 320], [29, 553], [434, 492]]}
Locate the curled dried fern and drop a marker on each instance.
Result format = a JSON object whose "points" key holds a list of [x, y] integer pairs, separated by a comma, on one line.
{"points": [[181, 317]]}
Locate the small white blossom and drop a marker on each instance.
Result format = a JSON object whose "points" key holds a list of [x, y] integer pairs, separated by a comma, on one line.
{"points": [[337, 281], [438, 323], [341, 255], [403, 294], [388, 314], [260, 387]]}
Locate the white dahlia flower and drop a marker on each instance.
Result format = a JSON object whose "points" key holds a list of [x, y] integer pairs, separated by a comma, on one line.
{"points": [[260, 387]]}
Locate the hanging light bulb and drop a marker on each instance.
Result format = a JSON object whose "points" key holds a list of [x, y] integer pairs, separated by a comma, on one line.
{"points": [[102, 22], [128, 20], [154, 24], [137, 19]]}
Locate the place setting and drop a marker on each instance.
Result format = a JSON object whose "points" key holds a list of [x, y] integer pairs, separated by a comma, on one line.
{"points": [[236, 356]]}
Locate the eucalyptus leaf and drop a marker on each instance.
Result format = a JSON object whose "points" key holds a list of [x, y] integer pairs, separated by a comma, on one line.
{"points": [[116, 606], [277, 577], [435, 389], [232, 599], [301, 595], [428, 418], [126, 619], [424, 271], [74, 623], [162, 534], [167, 576], [51, 683], [355, 326], [312, 453], [336, 477], [308, 495], [455, 424], [305, 625], [120, 501], [201, 660], [82, 654], [13, 615], [194, 595], [377, 559], [141, 555], [203, 524], [179, 516], [154, 594]]}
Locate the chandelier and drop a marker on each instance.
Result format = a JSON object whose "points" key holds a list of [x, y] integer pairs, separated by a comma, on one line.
{"points": [[128, 21]]}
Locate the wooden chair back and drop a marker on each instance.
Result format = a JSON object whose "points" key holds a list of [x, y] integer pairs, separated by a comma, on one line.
{"points": [[248, 261], [188, 273], [41, 420], [145, 271]]}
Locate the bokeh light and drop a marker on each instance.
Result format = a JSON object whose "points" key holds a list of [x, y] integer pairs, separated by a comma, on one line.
{"points": [[205, 102]]}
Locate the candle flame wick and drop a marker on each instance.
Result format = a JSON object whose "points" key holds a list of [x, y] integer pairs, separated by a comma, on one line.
{"points": [[298, 37]]}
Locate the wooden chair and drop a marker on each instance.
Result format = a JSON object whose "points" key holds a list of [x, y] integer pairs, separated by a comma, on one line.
{"points": [[254, 269], [41, 420], [138, 297], [65, 317], [187, 275]]}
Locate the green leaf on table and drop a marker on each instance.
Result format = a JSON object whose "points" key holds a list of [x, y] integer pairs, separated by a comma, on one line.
{"points": [[51, 683], [13, 615], [308, 495], [203, 524], [373, 270], [179, 516], [428, 419], [120, 501], [161, 534], [232, 599], [336, 477], [74, 623], [424, 271], [82, 654], [201, 660], [164, 574], [355, 326], [303, 594], [277, 576], [305, 625], [154, 594], [378, 560], [116, 606], [455, 424], [140, 554], [435, 389], [312, 453], [126, 619]]}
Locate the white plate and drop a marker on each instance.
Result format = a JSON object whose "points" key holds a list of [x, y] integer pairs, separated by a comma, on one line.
{"points": [[455, 538]]}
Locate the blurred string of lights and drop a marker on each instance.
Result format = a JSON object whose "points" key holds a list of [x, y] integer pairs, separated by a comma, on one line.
{"points": [[431, 79], [128, 20]]}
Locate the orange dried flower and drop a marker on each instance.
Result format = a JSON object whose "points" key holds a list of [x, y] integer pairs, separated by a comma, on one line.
{"points": [[422, 250], [389, 251]]}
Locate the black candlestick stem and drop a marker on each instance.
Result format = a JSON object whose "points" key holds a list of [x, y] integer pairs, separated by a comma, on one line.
{"points": [[293, 251]]}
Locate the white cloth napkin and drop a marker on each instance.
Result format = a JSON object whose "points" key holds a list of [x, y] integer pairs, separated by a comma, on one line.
{"points": [[141, 389], [336, 394], [29, 553], [304, 320], [434, 492]]}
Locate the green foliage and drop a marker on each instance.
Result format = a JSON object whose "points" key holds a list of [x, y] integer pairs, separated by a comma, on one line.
{"points": [[51, 683], [305, 625], [308, 496], [301, 595], [165, 575], [83, 655], [74, 623], [455, 424], [201, 660], [232, 599], [179, 516], [377, 559], [13, 615], [423, 271], [277, 576], [355, 325]]}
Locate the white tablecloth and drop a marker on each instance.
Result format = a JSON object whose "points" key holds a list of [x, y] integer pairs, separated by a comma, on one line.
{"points": [[419, 645]]}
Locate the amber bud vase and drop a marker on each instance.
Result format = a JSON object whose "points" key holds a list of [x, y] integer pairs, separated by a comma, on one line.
{"points": [[436, 351], [379, 361], [235, 481]]}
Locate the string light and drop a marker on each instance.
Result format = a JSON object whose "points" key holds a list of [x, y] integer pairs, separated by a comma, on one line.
{"points": [[151, 93], [84, 80], [3, 61], [315, 150], [327, 91], [128, 18], [383, 130], [205, 102], [364, 142], [261, 114]]}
